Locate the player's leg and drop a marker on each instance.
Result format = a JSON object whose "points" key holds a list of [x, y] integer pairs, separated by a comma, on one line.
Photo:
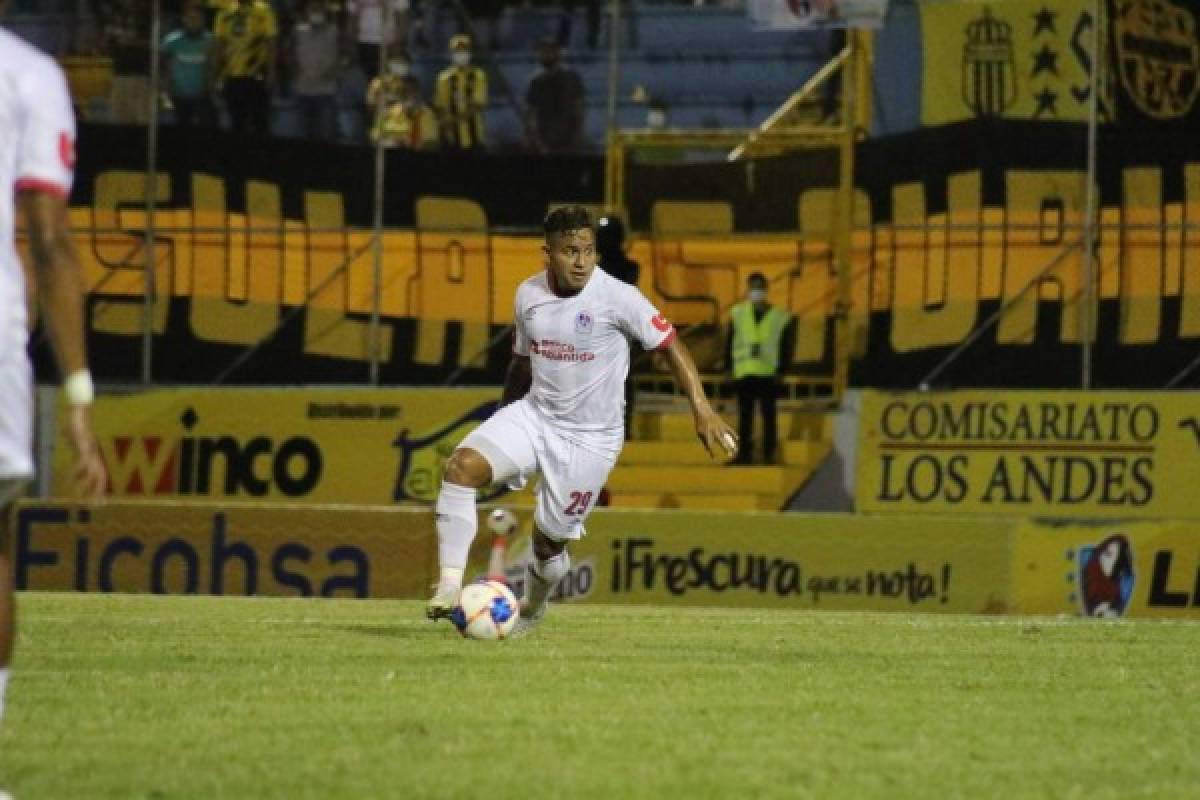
{"points": [[498, 450], [572, 477], [8, 622], [551, 563], [9, 491]]}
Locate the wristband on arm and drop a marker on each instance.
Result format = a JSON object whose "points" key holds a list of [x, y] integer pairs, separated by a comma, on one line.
{"points": [[79, 389]]}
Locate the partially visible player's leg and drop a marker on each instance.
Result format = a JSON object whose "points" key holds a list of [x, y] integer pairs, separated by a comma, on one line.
{"points": [[7, 625], [9, 491], [498, 450], [572, 477], [16, 470], [551, 564]]}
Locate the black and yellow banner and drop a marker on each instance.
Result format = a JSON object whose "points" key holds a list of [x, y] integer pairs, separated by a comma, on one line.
{"points": [[266, 275], [1032, 59], [1018, 59], [1089, 455]]}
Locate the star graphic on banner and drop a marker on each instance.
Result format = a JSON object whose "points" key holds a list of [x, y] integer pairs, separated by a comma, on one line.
{"points": [[1044, 21], [1046, 103], [1045, 59]]}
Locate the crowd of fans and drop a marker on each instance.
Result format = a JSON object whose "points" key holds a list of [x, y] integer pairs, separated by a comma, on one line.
{"points": [[228, 62]]}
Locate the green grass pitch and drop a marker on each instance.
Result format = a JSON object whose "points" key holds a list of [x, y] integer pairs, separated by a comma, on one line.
{"points": [[173, 697]]}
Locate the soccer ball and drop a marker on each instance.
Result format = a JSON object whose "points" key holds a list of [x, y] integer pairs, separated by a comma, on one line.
{"points": [[485, 610], [502, 522]]}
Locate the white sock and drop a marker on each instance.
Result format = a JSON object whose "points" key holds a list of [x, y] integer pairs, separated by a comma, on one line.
{"points": [[3, 687], [456, 524], [545, 576]]}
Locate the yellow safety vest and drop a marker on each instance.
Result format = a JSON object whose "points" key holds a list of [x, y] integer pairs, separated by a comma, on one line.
{"points": [[766, 333]]}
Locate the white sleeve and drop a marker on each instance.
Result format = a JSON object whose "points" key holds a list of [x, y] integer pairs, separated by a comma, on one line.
{"points": [[46, 154], [642, 321], [520, 343]]}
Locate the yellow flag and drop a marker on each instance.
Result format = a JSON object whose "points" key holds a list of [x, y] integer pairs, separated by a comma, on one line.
{"points": [[1018, 59]]}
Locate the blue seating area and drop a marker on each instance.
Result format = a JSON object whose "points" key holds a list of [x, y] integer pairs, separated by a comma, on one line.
{"points": [[709, 66], [707, 63]]}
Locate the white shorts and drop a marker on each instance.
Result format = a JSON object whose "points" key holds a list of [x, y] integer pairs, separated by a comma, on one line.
{"points": [[16, 418], [518, 442]]}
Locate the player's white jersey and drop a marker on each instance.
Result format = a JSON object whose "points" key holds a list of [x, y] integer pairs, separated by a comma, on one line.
{"points": [[37, 152], [579, 350]]}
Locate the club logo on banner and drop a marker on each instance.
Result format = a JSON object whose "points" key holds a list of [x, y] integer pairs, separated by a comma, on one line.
{"points": [[1105, 576], [1157, 56], [1099, 569], [1020, 59], [989, 72]]}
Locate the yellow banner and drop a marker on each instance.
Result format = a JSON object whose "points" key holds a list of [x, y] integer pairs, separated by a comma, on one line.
{"points": [[1144, 569], [836, 562], [801, 561], [670, 558], [1019, 59], [364, 446], [173, 548], [1059, 454]]}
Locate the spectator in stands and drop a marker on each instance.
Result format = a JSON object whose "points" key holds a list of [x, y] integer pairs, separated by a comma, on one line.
{"points": [[460, 98], [554, 102], [656, 115], [314, 55], [657, 120], [187, 70], [758, 332], [404, 121], [611, 257], [484, 15], [211, 9], [595, 12], [245, 61], [387, 86], [366, 25], [127, 39]]}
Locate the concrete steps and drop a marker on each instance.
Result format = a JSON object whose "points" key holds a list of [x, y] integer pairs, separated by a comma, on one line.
{"points": [[665, 466], [676, 472]]}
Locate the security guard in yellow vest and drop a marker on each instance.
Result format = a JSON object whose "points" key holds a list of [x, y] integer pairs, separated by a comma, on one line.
{"points": [[757, 337]]}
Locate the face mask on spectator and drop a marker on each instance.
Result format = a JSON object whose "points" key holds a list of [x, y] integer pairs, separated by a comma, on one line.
{"points": [[399, 68], [656, 119], [461, 58], [757, 296]]}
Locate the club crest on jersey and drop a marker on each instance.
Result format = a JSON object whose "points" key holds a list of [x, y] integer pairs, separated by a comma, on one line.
{"points": [[583, 322]]}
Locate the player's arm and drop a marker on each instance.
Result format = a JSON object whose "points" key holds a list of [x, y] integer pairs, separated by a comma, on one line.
{"points": [[60, 287], [714, 434], [517, 380]]}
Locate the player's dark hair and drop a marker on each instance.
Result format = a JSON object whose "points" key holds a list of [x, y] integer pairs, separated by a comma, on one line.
{"points": [[566, 218], [757, 277]]}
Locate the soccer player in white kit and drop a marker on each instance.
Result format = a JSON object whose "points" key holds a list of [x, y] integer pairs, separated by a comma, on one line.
{"points": [[37, 153], [562, 412]]}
